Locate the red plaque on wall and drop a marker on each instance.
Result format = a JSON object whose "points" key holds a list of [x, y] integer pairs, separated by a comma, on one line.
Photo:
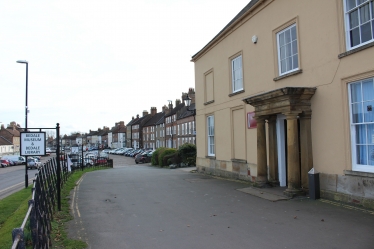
{"points": [[251, 122]]}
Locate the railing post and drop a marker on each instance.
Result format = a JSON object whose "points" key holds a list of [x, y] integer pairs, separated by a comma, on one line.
{"points": [[58, 173], [34, 224], [17, 233]]}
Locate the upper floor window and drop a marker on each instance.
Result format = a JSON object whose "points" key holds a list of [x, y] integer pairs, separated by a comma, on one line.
{"points": [[237, 74], [288, 58], [359, 22]]}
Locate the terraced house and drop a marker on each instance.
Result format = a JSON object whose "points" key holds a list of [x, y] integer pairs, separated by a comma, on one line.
{"points": [[287, 86]]}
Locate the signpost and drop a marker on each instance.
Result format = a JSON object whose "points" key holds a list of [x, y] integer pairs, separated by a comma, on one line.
{"points": [[33, 144]]}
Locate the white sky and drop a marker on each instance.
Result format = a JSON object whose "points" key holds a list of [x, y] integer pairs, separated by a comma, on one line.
{"points": [[94, 63]]}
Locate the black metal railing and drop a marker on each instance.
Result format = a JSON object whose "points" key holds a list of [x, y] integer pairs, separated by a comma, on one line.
{"points": [[45, 194]]}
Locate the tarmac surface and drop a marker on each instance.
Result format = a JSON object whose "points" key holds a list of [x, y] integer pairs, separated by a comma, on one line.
{"points": [[142, 206]]}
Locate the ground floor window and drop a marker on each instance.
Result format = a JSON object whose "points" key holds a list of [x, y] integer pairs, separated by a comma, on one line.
{"points": [[210, 131], [361, 100]]}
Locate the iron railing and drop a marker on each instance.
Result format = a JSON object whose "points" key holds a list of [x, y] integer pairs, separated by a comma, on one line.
{"points": [[37, 222]]}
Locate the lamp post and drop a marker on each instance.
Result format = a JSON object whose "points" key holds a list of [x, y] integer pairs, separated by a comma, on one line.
{"points": [[26, 111], [187, 102]]}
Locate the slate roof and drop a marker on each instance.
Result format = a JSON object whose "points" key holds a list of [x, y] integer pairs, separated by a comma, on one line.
{"points": [[175, 110], [4, 141], [155, 119], [187, 113]]}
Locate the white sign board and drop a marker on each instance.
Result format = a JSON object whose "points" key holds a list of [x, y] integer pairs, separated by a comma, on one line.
{"points": [[33, 143]]}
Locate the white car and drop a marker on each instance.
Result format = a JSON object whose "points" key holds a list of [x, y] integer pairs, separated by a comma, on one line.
{"points": [[33, 163]]}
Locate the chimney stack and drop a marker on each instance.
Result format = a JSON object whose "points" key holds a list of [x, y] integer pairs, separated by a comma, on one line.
{"points": [[145, 113], [153, 111]]}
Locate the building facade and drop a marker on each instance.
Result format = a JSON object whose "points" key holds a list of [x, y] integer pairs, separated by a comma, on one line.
{"points": [[280, 92]]}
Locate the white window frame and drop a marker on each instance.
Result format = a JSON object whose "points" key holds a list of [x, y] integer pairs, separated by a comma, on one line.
{"points": [[354, 127], [210, 136], [291, 55], [237, 73], [360, 24]]}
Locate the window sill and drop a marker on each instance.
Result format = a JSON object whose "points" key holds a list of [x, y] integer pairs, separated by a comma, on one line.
{"points": [[288, 75], [211, 157], [369, 45], [358, 173], [209, 102], [236, 93]]}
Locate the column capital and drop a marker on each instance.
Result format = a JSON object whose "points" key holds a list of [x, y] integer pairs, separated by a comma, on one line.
{"points": [[272, 119], [306, 114], [260, 119], [291, 115]]}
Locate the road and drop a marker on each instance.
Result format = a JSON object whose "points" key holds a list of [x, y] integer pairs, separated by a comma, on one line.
{"points": [[12, 179], [141, 206]]}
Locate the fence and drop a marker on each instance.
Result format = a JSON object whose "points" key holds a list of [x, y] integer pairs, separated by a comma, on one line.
{"points": [[37, 221]]}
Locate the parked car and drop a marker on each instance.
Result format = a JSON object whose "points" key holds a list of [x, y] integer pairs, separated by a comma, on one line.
{"points": [[144, 157], [4, 163], [15, 158], [33, 163]]}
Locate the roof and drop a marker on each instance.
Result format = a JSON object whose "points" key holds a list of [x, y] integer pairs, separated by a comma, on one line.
{"points": [[153, 121], [161, 121], [187, 113], [175, 110], [226, 28], [132, 121], [4, 141]]}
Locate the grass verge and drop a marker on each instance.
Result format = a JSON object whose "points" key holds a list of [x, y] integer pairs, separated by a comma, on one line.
{"points": [[13, 210]]}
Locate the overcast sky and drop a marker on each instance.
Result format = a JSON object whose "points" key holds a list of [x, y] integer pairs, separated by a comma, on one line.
{"points": [[94, 63]]}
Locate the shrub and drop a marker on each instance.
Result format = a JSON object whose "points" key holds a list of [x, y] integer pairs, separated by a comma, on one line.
{"points": [[156, 154], [187, 152], [167, 151]]}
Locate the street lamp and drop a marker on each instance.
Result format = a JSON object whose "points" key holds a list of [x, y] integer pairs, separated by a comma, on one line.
{"points": [[26, 111], [187, 103]]}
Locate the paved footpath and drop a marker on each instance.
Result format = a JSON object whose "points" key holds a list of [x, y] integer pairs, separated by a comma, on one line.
{"points": [[141, 207]]}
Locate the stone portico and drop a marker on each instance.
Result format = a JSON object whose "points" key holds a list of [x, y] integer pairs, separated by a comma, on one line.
{"points": [[294, 104]]}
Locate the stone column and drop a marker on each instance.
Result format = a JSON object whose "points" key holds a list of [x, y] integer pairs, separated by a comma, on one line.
{"points": [[262, 174], [306, 147], [293, 163], [273, 152]]}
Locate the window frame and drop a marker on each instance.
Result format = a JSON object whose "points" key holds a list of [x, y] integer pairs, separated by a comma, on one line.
{"points": [[278, 34], [347, 28], [210, 134], [232, 73], [353, 129]]}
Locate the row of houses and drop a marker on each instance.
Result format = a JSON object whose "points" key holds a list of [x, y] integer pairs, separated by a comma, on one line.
{"points": [[10, 138], [287, 86], [173, 126]]}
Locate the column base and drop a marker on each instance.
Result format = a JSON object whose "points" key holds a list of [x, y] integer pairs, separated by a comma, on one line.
{"points": [[262, 184], [274, 183], [293, 192]]}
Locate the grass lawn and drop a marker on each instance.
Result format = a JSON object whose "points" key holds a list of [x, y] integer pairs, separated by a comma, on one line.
{"points": [[13, 210]]}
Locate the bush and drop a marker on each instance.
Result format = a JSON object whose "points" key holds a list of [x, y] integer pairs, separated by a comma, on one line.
{"points": [[156, 154], [187, 153], [167, 151]]}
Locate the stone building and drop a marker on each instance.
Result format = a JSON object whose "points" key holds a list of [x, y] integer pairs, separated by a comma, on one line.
{"points": [[287, 86]]}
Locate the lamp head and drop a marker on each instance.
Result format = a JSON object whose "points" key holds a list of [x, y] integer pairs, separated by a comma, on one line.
{"points": [[187, 101], [22, 61]]}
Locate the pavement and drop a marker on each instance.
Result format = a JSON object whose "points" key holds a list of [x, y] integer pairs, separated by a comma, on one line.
{"points": [[142, 206]]}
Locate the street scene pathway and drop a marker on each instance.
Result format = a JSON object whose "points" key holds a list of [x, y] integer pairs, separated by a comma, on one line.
{"points": [[142, 206]]}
